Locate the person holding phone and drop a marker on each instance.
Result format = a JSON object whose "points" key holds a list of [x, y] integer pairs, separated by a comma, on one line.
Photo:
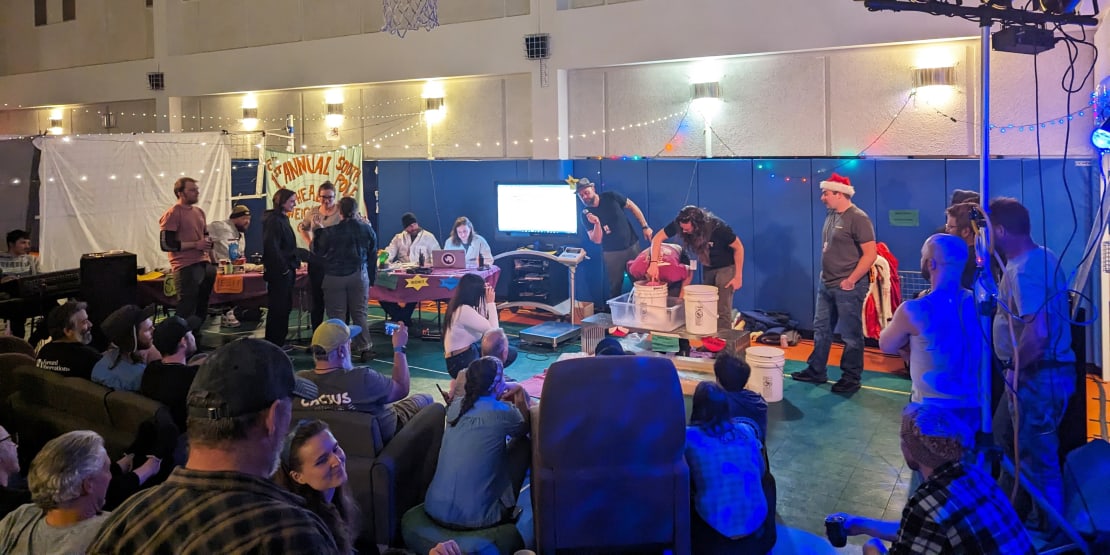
{"points": [[476, 481], [470, 314]]}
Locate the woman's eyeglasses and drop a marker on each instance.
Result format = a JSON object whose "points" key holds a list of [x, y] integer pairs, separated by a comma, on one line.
{"points": [[14, 438]]}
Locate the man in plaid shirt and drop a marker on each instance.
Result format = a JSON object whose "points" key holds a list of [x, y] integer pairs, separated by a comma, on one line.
{"points": [[958, 509], [222, 500]]}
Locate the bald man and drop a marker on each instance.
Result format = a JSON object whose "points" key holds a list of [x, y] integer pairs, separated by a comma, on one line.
{"points": [[494, 344], [938, 333]]}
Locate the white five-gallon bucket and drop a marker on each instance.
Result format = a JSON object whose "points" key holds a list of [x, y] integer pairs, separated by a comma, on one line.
{"points": [[701, 309], [766, 379], [649, 295]]}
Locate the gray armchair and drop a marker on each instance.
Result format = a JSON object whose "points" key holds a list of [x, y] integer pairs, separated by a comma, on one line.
{"points": [[386, 480]]}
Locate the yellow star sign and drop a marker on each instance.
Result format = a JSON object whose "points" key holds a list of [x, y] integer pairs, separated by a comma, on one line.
{"points": [[572, 181], [417, 282]]}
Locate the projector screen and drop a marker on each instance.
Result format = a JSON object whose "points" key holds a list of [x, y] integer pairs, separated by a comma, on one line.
{"points": [[536, 209]]}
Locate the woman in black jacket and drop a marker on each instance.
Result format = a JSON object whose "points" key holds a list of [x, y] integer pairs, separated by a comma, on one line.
{"points": [[347, 250], [280, 263]]}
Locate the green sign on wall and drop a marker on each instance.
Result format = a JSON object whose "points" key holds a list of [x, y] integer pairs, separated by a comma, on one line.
{"points": [[904, 218]]}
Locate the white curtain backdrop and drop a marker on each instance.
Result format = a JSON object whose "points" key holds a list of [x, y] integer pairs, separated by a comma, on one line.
{"points": [[106, 192]]}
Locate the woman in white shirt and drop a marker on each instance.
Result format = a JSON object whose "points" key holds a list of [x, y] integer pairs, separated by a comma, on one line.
{"points": [[463, 238], [470, 314]]}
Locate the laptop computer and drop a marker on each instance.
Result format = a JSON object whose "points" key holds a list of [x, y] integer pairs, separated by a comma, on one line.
{"points": [[449, 259]]}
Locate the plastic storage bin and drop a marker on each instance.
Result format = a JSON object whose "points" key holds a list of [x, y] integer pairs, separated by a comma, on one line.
{"points": [[657, 318]]}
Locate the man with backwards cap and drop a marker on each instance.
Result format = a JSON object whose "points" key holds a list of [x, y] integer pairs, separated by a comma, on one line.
{"points": [[958, 509], [228, 244], [343, 386], [607, 226], [222, 500], [847, 253], [407, 248]]}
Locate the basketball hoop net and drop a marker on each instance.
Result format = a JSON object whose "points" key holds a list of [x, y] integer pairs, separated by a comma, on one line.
{"points": [[402, 16]]}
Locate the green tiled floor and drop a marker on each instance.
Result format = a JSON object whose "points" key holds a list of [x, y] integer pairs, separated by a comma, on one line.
{"points": [[829, 452]]}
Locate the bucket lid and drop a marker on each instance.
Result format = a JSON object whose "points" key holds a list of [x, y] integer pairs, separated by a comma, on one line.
{"points": [[765, 351], [701, 289]]}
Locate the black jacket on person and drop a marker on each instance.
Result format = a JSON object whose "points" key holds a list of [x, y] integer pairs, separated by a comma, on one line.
{"points": [[279, 244], [347, 247]]}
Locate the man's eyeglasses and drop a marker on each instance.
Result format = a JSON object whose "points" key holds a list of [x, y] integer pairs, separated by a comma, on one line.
{"points": [[14, 438], [327, 197]]}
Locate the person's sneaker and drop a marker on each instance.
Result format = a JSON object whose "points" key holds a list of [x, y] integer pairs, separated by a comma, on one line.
{"points": [[367, 354], [845, 386], [809, 375]]}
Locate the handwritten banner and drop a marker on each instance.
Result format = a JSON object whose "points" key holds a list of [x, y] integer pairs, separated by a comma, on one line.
{"points": [[303, 174]]}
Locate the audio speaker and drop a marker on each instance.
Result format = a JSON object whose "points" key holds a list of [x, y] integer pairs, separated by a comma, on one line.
{"points": [[108, 281]]}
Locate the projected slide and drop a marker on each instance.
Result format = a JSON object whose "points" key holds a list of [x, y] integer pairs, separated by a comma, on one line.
{"points": [[537, 209]]}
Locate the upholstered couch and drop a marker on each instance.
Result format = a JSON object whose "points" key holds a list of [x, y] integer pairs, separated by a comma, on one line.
{"points": [[41, 405], [386, 480]]}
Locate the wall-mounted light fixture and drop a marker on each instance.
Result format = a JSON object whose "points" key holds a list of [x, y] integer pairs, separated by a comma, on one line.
{"points": [[705, 97], [107, 118], [334, 118], [435, 109], [934, 85], [56, 121], [250, 113], [934, 76]]}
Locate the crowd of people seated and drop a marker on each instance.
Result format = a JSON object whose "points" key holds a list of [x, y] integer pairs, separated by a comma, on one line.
{"points": [[234, 407]]}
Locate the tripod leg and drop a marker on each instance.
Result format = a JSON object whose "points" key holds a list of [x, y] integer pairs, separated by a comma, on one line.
{"points": [[1042, 503]]}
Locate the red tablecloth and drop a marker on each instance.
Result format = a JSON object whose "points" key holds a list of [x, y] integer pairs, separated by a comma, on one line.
{"points": [[251, 292], [436, 286]]}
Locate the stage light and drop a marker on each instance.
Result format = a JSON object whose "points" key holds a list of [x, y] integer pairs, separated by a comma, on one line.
{"points": [[1101, 136]]}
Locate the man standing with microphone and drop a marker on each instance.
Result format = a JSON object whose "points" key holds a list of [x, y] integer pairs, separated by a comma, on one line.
{"points": [[607, 226]]}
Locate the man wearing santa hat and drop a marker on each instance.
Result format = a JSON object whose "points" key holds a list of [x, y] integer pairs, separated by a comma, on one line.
{"points": [[847, 253]]}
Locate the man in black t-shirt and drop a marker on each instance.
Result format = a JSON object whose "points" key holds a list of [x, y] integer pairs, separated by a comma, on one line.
{"points": [[68, 353], [168, 380], [716, 247], [607, 226]]}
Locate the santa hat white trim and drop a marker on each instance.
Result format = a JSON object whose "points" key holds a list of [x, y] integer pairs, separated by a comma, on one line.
{"points": [[838, 187]]}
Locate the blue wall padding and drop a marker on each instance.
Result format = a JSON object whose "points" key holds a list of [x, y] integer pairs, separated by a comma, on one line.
{"points": [[779, 265], [243, 175], [909, 185], [725, 187], [1064, 185], [778, 221]]}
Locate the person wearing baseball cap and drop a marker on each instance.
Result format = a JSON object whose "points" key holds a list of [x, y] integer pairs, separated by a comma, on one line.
{"points": [[168, 380], [239, 410], [343, 386], [847, 253], [228, 243], [607, 226], [413, 245]]}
